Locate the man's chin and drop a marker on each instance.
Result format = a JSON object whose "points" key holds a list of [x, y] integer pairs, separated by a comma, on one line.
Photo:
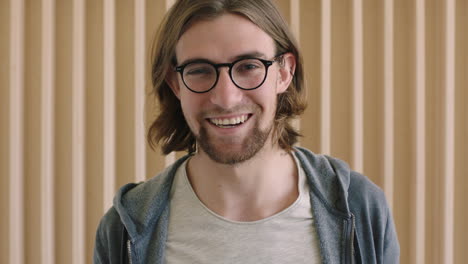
{"points": [[229, 157], [233, 152]]}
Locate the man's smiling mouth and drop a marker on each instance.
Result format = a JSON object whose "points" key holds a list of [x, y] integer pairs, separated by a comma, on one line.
{"points": [[229, 122]]}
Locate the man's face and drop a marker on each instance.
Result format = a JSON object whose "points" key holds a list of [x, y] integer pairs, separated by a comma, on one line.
{"points": [[231, 125]]}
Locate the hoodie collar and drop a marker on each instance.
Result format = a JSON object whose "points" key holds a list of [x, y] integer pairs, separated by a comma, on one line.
{"points": [[140, 205], [328, 178]]}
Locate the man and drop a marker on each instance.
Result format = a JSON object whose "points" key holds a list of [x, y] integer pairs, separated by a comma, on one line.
{"points": [[229, 78]]}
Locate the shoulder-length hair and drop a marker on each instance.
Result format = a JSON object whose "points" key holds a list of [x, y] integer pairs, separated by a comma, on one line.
{"points": [[170, 129]]}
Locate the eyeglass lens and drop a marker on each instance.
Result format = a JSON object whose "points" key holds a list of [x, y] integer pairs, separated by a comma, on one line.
{"points": [[247, 74]]}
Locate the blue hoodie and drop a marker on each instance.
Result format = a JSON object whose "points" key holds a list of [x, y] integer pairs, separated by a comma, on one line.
{"points": [[353, 221]]}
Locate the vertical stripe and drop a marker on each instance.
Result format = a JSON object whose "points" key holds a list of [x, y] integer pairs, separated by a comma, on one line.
{"points": [[295, 16], [16, 146], [358, 83], [78, 133], [140, 48], [449, 126], [109, 102], [295, 27], [325, 123], [171, 157], [47, 132], [169, 3], [418, 225], [388, 150]]}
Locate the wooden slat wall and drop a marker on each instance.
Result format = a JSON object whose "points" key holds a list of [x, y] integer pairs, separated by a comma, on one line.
{"points": [[388, 93]]}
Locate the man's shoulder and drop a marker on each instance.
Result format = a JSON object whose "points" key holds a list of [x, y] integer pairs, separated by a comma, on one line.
{"points": [[363, 192], [328, 172], [110, 223], [368, 203], [108, 237], [362, 185]]}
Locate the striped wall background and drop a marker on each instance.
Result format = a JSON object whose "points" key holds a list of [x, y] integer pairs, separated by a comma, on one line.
{"points": [[388, 92]]}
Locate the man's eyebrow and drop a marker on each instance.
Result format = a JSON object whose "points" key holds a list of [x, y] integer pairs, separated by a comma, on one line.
{"points": [[193, 60], [255, 54]]}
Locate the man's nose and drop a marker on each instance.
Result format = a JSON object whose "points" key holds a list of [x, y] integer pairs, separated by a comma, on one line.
{"points": [[225, 94]]}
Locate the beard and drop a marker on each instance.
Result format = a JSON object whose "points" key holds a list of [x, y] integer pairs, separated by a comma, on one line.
{"points": [[250, 146], [221, 150]]}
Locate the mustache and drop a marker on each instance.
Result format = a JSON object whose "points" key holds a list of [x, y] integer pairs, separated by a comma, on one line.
{"points": [[218, 110]]}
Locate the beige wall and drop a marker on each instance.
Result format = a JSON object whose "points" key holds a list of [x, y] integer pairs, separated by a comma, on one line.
{"points": [[388, 89]]}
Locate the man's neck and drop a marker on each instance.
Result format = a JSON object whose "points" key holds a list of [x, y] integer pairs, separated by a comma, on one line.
{"points": [[249, 191]]}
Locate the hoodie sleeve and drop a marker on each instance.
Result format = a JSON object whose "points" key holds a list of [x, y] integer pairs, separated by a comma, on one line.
{"points": [[108, 244], [100, 250], [391, 245], [375, 230]]}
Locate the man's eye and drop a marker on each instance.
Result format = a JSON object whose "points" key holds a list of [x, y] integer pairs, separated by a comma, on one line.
{"points": [[198, 71], [248, 67]]}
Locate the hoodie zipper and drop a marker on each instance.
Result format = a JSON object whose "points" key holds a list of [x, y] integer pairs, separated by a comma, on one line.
{"points": [[129, 248], [351, 240]]}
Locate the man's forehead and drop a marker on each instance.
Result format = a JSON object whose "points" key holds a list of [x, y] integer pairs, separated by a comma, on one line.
{"points": [[226, 38]]}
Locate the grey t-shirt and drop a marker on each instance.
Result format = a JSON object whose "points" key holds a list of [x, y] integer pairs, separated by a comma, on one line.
{"points": [[198, 235]]}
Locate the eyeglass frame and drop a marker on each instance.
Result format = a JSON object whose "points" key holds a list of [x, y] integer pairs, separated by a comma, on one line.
{"points": [[266, 63]]}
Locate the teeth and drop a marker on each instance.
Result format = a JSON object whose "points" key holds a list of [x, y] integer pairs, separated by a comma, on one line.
{"points": [[229, 121]]}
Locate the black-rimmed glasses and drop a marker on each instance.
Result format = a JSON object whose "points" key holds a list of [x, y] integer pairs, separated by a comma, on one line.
{"points": [[201, 76]]}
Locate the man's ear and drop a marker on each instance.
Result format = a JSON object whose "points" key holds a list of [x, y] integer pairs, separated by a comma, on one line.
{"points": [[173, 82], [287, 67]]}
